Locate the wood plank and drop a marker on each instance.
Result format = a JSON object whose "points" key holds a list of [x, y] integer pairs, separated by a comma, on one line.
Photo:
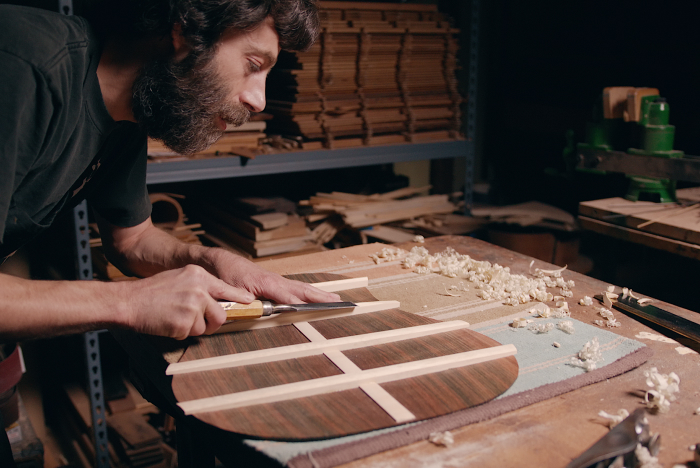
{"points": [[346, 381], [270, 220], [312, 348]]}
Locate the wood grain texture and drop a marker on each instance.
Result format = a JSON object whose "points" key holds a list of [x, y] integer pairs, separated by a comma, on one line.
{"points": [[349, 411]]}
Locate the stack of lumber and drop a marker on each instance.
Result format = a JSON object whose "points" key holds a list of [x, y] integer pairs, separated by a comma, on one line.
{"points": [[255, 227], [337, 210], [241, 141], [167, 214], [133, 442], [380, 73]]}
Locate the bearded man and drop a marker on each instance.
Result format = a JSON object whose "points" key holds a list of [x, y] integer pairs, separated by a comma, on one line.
{"points": [[76, 110]]}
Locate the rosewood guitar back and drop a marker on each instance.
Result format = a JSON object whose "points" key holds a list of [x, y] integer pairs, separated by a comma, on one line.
{"points": [[348, 411]]}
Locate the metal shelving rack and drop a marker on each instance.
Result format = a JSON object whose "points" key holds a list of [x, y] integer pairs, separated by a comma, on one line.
{"points": [[229, 167]]}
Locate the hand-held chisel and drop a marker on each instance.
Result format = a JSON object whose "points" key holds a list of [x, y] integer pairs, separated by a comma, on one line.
{"points": [[256, 309]]}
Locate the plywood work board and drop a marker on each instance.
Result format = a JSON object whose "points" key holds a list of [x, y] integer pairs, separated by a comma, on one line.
{"points": [[347, 411]]}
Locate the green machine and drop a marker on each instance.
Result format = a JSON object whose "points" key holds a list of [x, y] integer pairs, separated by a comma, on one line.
{"points": [[636, 117]]}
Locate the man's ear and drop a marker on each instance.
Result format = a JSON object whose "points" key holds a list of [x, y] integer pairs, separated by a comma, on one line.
{"points": [[180, 47]]}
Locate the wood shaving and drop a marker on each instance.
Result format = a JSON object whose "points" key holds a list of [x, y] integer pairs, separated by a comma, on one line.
{"points": [[388, 254], [556, 345], [520, 323], [614, 420], [493, 281], [447, 293], [664, 387], [567, 326], [586, 301], [645, 459], [419, 239], [444, 439], [644, 300], [654, 337], [541, 328], [589, 356], [610, 320]]}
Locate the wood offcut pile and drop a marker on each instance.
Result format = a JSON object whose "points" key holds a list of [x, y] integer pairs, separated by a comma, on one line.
{"points": [[255, 227], [331, 213], [167, 214], [380, 73], [133, 441]]}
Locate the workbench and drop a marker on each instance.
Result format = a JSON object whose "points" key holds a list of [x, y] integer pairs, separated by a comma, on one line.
{"points": [[548, 433], [673, 228]]}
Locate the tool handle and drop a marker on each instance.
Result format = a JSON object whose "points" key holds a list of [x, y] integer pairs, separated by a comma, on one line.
{"points": [[238, 311]]}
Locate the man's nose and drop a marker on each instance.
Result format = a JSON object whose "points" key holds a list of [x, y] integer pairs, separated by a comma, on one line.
{"points": [[253, 97]]}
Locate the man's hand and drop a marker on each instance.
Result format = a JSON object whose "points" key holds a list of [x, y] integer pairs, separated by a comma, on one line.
{"points": [[179, 303], [244, 274]]}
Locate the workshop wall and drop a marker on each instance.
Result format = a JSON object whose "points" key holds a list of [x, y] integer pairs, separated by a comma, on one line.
{"points": [[544, 63]]}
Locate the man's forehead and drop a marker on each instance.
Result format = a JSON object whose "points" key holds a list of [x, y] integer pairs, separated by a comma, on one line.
{"points": [[262, 41]]}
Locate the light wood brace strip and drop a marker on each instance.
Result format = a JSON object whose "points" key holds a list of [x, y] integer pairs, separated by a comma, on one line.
{"points": [[313, 348], [343, 284], [277, 320], [345, 381], [380, 396]]}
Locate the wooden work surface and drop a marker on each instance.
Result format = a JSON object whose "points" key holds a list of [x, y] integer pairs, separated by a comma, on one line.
{"points": [[676, 227], [551, 433], [546, 434]]}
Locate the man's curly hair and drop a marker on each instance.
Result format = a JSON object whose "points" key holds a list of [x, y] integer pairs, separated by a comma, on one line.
{"points": [[204, 21]]}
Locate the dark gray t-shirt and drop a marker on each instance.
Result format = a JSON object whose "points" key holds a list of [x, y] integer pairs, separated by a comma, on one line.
{"points": [[58, 143]]}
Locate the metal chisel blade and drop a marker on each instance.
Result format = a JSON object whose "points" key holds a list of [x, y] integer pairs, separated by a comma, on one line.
{"points": [[279, 308]]}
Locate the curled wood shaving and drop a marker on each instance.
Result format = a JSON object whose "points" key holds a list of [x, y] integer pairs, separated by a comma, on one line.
{"points": [[444, 439], [520, 323], [447, 293], [388, 254], [645, 459], [541, 328], [586, 301], [614, 420], [664, 387], [567, 326], [589, 356], [556, 345]]}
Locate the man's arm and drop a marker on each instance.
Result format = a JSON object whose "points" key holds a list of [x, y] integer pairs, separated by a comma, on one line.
{"points": [[177, 303], [145, 250]]}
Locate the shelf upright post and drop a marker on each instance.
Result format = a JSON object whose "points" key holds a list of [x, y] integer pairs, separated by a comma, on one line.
{"points": [[471, 106], [92, 343], [92, 339]]}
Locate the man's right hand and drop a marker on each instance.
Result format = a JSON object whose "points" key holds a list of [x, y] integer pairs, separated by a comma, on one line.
{"points": [[179, 303]]}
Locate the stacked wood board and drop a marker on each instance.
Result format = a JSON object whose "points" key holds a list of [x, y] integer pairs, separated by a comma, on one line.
{"points": [[255, 227], [333, 211], [241, 141], [380, 73]]}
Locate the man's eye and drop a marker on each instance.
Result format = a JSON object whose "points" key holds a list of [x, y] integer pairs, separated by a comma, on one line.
{"points": [[253, 67]]}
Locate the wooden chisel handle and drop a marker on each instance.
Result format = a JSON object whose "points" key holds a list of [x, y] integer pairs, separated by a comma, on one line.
{"points": [[237, 311]]}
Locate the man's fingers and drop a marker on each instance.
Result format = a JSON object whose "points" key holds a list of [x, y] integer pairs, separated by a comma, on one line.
{"points": [[214, 317], [219, 289]]}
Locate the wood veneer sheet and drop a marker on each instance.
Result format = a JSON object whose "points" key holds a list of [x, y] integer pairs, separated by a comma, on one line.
{"points": [[544, 373]]}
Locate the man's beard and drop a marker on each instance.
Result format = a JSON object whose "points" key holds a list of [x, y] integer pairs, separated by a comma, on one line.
{"points": [[178, 102]]}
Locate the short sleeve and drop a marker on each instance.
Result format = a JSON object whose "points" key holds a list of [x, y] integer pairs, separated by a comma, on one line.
{"points": [[121, 195]]}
